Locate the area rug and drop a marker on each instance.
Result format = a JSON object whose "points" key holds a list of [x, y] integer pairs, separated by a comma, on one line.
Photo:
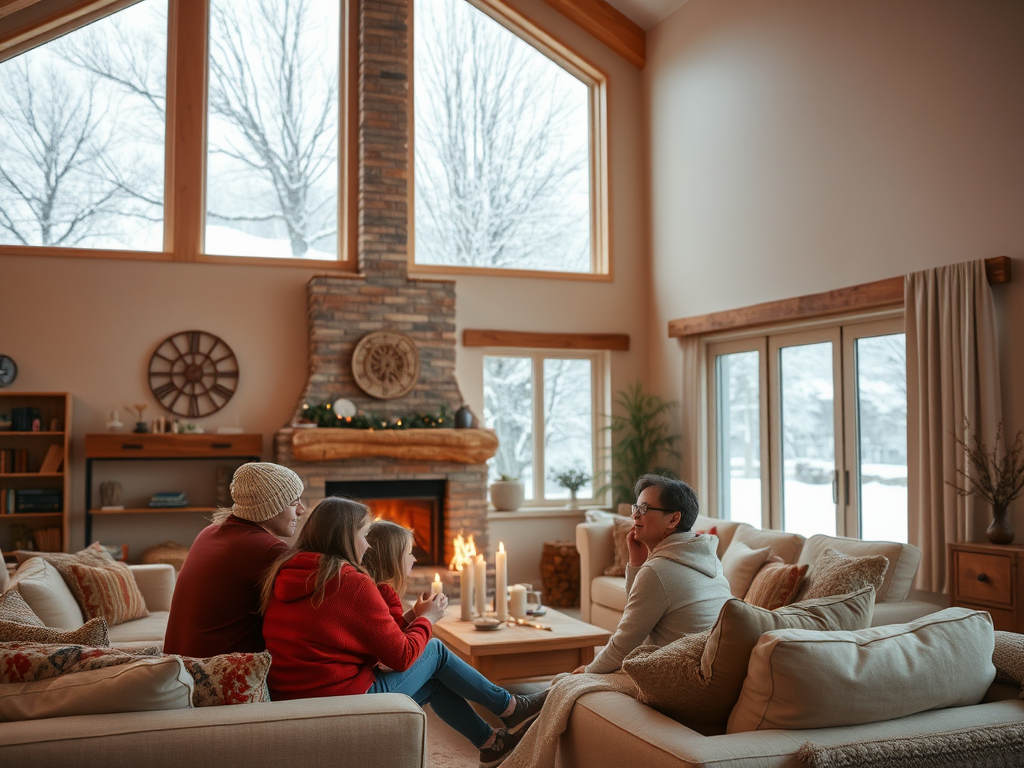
{"points": [[994, 746]]}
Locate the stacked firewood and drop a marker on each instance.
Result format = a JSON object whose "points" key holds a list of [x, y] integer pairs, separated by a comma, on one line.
{"points": [[560, 574]]}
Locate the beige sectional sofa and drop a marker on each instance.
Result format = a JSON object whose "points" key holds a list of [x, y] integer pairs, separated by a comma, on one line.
{"points": [[379, 731], [603, 598]]}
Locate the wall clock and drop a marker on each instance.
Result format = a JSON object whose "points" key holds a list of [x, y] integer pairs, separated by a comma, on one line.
{"points": [[193, 373], [8, 370], [386, 364]]}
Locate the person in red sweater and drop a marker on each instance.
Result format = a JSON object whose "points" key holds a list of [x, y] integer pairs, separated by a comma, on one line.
{"points": [[215, 605], [331, 632]]}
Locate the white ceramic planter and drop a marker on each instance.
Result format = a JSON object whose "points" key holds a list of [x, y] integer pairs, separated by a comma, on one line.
{"points": [[507, 495]]}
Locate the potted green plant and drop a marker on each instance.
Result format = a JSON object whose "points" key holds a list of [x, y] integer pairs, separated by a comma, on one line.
{"points": [[641, 440], [507, 493], [572, 479]]}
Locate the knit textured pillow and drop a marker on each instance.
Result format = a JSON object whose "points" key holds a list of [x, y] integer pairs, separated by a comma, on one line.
{"points": [[836, 574], [109, 592], [620, 528], [13, 608], [775, 585], [660, 673], [231, 678], [1008, 658], [23, 662], [93, 632]]}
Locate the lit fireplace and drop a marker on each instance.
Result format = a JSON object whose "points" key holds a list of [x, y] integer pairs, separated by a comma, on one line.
{"points": [[414, 504]]}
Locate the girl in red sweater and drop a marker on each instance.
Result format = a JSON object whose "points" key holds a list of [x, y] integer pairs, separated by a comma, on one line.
{"points": [[330, 632]]}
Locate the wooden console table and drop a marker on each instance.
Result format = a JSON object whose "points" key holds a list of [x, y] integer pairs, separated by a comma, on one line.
{"points": [[989, 577]]}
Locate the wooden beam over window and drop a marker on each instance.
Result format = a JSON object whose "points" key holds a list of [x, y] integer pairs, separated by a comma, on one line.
{"points": [[609, 25], [618, 342], [881, 293]]}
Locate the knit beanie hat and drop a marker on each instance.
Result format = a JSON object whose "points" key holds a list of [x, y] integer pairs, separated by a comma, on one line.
{"points": [[261, 490]]}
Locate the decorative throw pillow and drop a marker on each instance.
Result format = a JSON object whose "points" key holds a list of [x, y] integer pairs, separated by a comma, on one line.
{"points": [[703, 687], [109, 592], [23, 662], [94, 555], [1008, 657], [836, 574], [93, 632], [232, 678], [740, 563], [775, 585], [14, 609], [620, 528]]}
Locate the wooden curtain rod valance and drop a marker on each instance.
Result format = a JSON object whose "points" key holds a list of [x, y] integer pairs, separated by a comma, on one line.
{"points": [[876, 295], [618, 342]]}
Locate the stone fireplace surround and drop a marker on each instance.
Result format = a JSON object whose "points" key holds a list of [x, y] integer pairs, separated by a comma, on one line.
{"points": [[344, 308]]}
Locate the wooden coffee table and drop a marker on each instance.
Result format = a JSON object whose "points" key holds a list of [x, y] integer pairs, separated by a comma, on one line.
{"points": [[513, 652]]}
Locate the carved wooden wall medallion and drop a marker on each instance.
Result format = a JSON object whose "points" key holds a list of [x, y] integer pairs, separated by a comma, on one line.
{"points": [[193, 373], [385, 364]]}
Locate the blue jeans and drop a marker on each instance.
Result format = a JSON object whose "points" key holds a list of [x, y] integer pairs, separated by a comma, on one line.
{"points": [[445, 681]]}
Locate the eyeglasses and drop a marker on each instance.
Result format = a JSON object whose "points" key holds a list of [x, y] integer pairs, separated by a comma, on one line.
{"points": [[643, 508]]}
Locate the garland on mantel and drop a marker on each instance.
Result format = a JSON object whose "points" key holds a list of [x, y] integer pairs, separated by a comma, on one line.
{"points": [[324, 416]]}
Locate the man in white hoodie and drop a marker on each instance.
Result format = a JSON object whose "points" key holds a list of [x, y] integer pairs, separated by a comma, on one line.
{"points": [[674, 580]]}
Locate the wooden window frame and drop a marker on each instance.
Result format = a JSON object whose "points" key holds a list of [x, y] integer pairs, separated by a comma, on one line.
{"points": [[185, 138], [597, 82]]}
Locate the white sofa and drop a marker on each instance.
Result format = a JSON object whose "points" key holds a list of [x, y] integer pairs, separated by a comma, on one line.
{"points": [[603, 598]]}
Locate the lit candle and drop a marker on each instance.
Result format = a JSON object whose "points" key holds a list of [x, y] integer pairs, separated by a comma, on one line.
{"points": [[480, 584], [437, 587], [500, 583], [517, 601], [466, 591]]}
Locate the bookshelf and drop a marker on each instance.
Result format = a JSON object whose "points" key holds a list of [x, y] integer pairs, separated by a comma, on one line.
{"points": [[105, 447], [35, 435]]}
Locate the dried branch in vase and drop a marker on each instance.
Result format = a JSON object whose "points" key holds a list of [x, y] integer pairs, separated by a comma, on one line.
{"points": [[997, 480]]}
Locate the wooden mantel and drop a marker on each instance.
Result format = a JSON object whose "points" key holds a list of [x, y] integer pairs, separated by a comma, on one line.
{"points": [[461, 446], [866, 296]]}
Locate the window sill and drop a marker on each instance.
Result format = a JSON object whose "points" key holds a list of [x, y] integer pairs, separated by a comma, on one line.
{"points": [[528, 513]]}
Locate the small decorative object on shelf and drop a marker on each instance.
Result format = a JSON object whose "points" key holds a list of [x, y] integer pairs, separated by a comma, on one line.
{"points": [[114, 422], [998, 480], [325, 415], [117, 551], [572, 479], [110, 495], [464, 418], [140, 426], [507, 493]]}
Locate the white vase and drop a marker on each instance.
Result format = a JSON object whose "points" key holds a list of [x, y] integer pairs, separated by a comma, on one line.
{"points": [[507, 495]]}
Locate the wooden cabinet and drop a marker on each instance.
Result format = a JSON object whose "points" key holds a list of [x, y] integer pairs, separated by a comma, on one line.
{"points": [[145, 447], [35, 436], [989, 577]]}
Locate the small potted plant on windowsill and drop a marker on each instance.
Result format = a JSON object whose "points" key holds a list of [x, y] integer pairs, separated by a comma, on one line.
{"points": [[507, 493], [572, 479]]}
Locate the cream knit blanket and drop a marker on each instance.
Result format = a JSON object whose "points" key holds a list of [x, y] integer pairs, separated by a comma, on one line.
{"points": [[538, 747]]}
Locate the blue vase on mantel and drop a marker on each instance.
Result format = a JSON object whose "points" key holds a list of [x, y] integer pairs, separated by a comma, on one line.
{"points": [[463, 418]]}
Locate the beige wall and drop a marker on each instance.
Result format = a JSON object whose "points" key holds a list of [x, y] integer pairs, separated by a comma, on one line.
{"points": [[799, 146], [89, 326]]}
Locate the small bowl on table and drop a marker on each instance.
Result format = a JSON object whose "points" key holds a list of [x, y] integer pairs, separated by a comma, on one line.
{"points": [[486, 623]]}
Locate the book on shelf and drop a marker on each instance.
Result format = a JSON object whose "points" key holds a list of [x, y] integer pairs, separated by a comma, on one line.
{"points": [[25, 418], [169, 499], [13, 460], [48, 539], [35, 500], [53, 459]]}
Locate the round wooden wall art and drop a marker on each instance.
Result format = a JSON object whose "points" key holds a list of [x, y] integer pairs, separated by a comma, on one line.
{"points": [[386, 364], [193, 373]]}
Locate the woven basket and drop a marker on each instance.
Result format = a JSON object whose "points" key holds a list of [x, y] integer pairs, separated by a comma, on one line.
{"points": [[169, 552]]}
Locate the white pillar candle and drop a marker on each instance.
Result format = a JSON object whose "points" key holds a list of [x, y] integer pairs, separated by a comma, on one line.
{"points": [[480, 584], [500, 583], [437, 588], [466, 591], [517, 601]]}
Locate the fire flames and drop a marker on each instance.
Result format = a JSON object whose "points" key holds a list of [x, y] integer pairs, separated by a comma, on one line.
{"points": [[465, 552]]}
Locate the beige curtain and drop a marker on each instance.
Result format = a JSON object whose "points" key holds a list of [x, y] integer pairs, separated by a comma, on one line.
{"points": [[692, 469], [952, 375]]}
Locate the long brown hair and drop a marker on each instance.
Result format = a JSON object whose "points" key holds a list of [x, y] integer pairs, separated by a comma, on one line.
{"points": [[329, 530], [385, 560]]}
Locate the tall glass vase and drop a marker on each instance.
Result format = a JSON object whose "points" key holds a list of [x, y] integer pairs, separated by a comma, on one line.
{"points": [[999, 530]]}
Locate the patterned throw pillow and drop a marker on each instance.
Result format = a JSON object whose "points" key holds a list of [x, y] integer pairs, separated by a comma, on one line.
{"points": [[775, 585], [1008, 658], [93, 632], [94, 555], [23, 662], [620, 528], [14, 609], [232, 678], [109, 592], [837, 574]]}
